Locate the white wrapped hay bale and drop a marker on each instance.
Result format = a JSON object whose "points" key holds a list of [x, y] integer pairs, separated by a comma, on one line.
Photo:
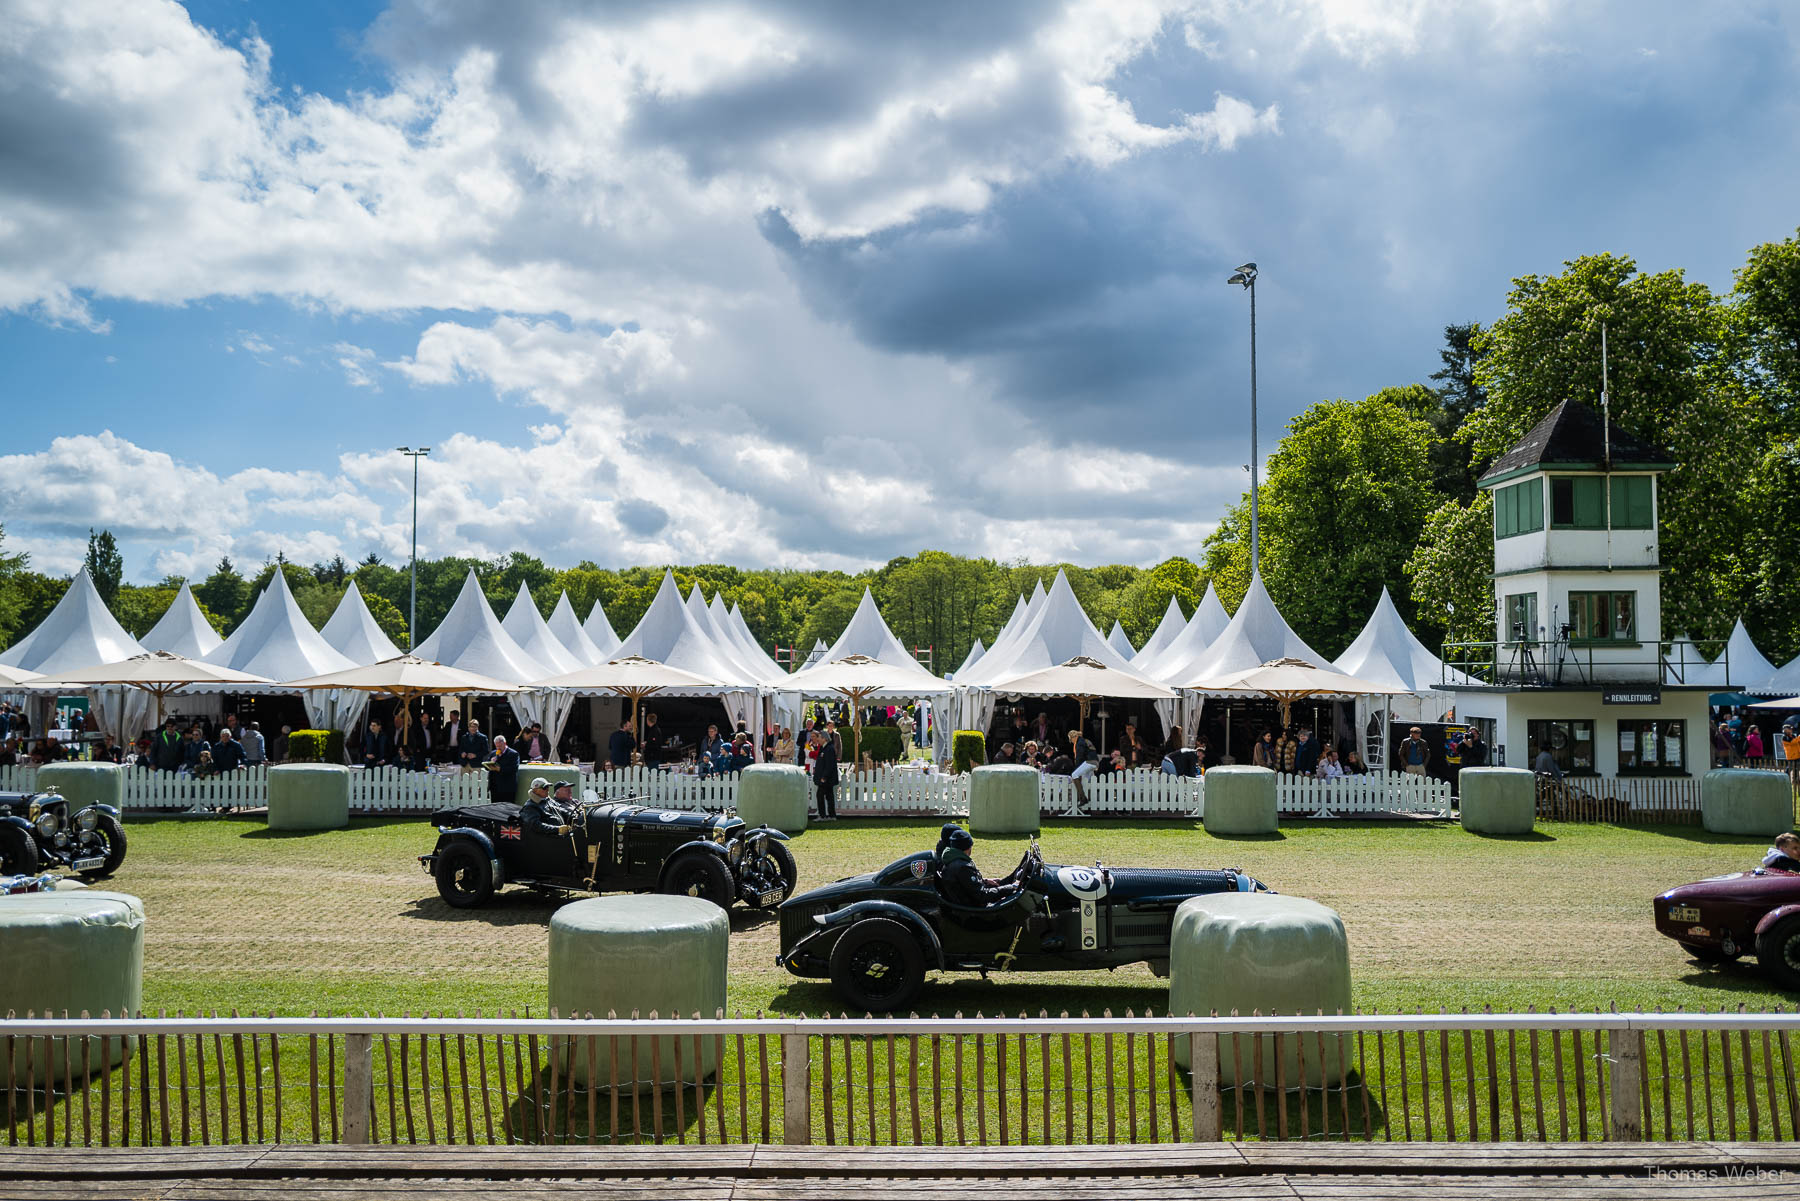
{"points": [[1266, 953], [552, 772], [1742, 801], [626, 954], [66, 952], [1497, 800], [309, 796], [774, 794], [1003, 799], [84, 783], [1240, 799]]}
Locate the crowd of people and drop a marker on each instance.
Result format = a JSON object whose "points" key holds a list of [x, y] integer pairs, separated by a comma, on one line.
{"points": [[1737, 737]]}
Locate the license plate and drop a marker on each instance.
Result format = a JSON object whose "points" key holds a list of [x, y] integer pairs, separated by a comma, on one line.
{"points": [[88, 865], [1684, 913], [770, 897]]}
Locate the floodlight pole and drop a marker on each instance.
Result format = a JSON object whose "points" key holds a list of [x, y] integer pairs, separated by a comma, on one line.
{"points": [[412, 612], [1246, 276]]}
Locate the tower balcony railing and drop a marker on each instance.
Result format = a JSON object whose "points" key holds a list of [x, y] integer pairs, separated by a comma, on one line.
{"points": [[1567, 663]]}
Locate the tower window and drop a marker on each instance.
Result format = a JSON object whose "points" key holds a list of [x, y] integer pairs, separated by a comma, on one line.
{"points": [[1578, 502], [1519, 508], [1632, 508], [1603, 616]]}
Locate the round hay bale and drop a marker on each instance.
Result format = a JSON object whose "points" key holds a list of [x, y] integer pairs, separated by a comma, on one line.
{"points": [[81, 949], [1497, 800], [1239, 799], [1003, 799], [1262, 952], [309, 796], [551, 772], [645, 953], [1744, 801], [774, 794], [84, 783]]}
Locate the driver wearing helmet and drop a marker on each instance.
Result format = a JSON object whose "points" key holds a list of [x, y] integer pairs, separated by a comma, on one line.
{"points": [[541, 815], [962, 883]]}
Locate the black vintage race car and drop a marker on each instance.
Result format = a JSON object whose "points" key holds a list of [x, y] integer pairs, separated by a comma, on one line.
{"points": [[616, 847], [39, 834], [876, 935]]}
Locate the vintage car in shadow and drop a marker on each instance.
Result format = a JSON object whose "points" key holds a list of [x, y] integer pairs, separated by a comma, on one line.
{"points": [[876, 935], [1724, 917], [615, 847], [38, 833]]}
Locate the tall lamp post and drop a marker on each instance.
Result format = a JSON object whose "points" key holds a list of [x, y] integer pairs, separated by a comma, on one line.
{"points": [[1246, 275], [412, 613]]}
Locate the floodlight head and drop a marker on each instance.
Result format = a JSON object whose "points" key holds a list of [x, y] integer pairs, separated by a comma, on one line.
{"points": [[1248, 269], [1245, 275]]}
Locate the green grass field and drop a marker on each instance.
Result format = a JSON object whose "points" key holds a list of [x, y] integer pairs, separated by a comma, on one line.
{"points": [[347, 922]]}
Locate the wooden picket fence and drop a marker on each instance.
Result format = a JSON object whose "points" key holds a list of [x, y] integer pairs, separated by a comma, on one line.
{"points": [[1652, 800], [1375, 792], [1433, 1078]]}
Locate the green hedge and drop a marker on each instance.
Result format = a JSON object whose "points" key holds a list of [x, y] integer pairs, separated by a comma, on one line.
{"points": [[884, 743], [316, 746], [968, 748]]}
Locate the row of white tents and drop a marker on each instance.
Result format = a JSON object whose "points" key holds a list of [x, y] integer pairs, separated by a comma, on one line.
{"points": [[1048, 647]]}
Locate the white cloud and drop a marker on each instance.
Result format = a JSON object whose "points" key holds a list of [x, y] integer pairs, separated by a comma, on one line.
{"points": [[355, 362]]}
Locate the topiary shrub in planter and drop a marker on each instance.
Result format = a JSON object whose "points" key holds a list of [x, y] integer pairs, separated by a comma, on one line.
{"points": [[316, 746], [968, 748], [883, 743]]}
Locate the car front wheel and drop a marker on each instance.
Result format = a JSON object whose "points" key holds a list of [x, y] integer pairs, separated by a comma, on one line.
{"points": [[779, 861], [465, 877], [877, 966], [1778, 951], [18, 853], [112, 837], [699, 874]]}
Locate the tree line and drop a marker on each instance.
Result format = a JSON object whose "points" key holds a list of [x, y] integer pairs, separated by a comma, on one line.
{"points": [[1358, 495]]}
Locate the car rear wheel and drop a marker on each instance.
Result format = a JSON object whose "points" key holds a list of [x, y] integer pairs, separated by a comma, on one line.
{"points": [[112, 838], [877, 966], [1778, 951], [18, 853], [699, 874], [465, 877], [780, 862]]}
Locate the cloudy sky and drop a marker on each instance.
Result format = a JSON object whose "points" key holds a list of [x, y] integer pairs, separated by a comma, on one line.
{"points": [[787, 283]]}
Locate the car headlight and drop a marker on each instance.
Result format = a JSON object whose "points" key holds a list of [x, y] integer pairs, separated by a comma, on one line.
{"points": [[735, 851], [88, 819], [46, 823]]}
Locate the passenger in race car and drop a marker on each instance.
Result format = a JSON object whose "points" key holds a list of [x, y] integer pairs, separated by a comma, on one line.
{"points": [[959, 879], [1785, 854], [542, 815]]}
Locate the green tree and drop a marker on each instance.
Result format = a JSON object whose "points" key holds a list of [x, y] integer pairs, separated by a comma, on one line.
{"points": [[37, 594], [1766, 312], [1225, 558], [1674, 382], [223, 592], [299, 580], [1773, 495], [391, 620], [1450, 570], [140, 608], [827, 619], [1459, 395], [11, 564], [1145, 600], [105, 566]]}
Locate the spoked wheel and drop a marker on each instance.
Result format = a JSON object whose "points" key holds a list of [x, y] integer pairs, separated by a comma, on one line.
{"points": [[112, 838], [465, 878], [779, 861], [699, 874], [877, 965]]}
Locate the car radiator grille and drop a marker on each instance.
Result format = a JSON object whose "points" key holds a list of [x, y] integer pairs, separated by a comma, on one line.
{"points": [[797, 922]]}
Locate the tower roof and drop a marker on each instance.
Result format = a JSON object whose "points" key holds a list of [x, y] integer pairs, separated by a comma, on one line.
{"points": [[1572, 436]]}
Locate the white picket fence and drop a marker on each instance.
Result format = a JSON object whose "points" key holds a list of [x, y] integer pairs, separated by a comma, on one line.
{"points": [[884, 791]]}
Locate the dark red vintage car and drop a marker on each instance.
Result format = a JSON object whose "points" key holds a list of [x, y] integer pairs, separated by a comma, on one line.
{"points": [[1726, 916]]}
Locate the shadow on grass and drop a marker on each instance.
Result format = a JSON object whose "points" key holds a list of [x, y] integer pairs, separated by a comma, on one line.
{"points": [[1685, 833], [1277, 836], [258, 824], [1000, 995], [1534, 836], [520, 906], [1741, 977]]}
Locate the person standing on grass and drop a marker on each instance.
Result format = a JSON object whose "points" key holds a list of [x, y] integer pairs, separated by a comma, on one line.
{"points": [[825, 773], [1414, 753]]}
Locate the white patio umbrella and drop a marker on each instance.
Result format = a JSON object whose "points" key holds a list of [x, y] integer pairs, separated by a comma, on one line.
{"points": [[1290, 680], [1086, 680], [405, 677], [13, 676], [159, 673], [635, 677], [1792, 702], [859, 679]]}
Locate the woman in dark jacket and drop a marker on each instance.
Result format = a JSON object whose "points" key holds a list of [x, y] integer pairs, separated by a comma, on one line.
{"points": [[825, 774]]}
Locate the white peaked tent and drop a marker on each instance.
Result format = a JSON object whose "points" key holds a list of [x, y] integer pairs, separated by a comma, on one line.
{"points": [[529, 630], [723, 645], [472, 638], [669, 634], [1116, 639], [566, 628], [867, 636], [183, 630], [1188, 643], [817, 652], [599, 628], [1386, 652], [735, 632], [1167, 630], [1057, 632], [973, 657], [1741, 668], [1685, 662], [1786, 681], [1256, 634], [79, 632], [276, 641], [1021, 617], [354, 633]]}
